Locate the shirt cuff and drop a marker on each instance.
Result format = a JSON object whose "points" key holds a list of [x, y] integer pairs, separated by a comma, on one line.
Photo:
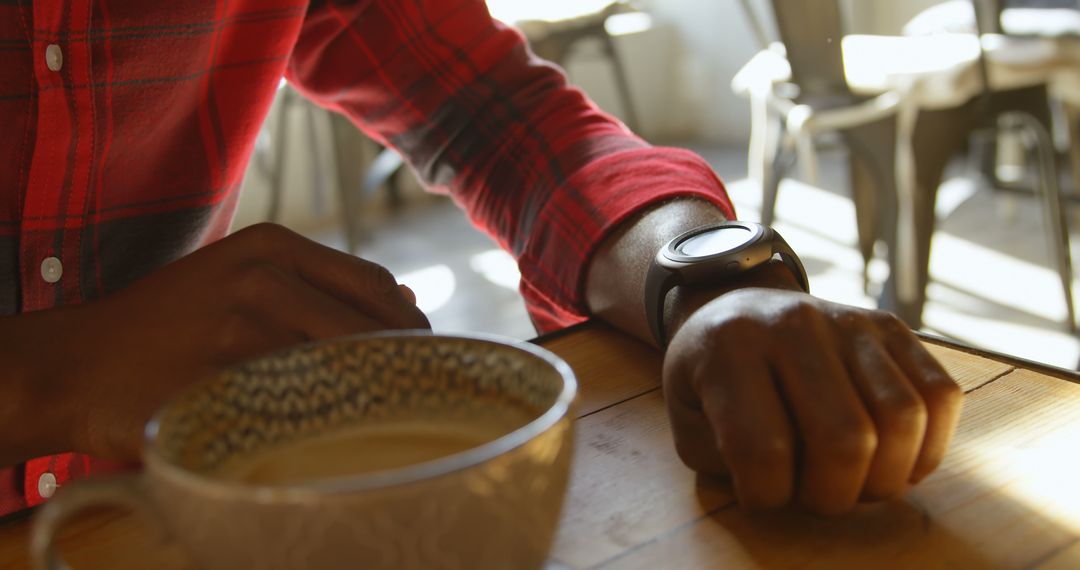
{"points": [[592, 203]]}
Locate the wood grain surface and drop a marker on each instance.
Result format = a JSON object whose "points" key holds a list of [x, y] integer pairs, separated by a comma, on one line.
{"points": [[1007, 495]]}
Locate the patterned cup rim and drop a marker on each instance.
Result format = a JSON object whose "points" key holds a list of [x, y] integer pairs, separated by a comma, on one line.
{"points": [[386, 478]]}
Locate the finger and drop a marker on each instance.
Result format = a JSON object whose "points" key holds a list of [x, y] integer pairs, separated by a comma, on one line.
{"points": [[837, 434], [898, 413], [941, 395], [368, 287], [289, 303], [751, 426], [694, 441]]}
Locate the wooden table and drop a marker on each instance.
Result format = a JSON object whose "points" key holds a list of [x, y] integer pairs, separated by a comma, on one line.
{"points": [[1007, 494]]}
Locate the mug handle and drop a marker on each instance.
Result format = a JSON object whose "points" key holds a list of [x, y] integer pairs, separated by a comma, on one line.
{"points": [[124, 490]]}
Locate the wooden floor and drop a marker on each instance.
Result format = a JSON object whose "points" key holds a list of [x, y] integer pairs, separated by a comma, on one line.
{"points": [[992, 283]]}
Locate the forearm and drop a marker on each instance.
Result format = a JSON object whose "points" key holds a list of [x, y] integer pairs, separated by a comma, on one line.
{"points": [[615, 283], [534, 162], [34, 420]]}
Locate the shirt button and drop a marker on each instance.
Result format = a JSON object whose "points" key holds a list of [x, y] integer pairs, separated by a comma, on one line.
{"points": [[46, 485], [54, 57], [51, 269]]}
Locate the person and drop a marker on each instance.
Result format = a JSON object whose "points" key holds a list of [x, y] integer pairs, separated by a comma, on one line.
{"points": [[128, 127]]}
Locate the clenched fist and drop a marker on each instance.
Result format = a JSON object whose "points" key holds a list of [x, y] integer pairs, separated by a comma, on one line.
{"points": [[803, 400]]}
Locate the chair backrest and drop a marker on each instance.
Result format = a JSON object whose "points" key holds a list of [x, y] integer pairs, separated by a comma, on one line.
{"points": [[811, 31]]}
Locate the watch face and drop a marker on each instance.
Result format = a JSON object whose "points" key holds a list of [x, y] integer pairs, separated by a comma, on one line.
{"points": [[715, 241]]}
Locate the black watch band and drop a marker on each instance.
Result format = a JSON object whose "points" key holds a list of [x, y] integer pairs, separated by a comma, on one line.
{"points": [[659, 282], [670, 268]]}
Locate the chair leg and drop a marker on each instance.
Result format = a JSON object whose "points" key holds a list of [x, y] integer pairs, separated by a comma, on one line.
{"points": [[1029, 107], [346, 151], [778, 162], [872, 164], [279, 141], [938, 136], [863, 181], [1072, 118], [381, 171], [621, 83], [313, 116], [762, 152], [1053, 203]]}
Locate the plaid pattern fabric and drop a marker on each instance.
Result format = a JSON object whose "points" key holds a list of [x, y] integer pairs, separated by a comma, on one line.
{"points": [[129, 154]]}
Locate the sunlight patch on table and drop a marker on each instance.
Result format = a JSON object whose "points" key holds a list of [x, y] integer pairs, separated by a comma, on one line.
{"points": [[1039, 472]]}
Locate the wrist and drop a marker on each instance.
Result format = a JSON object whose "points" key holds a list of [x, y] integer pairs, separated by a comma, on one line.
{"points": [[685, 300]]}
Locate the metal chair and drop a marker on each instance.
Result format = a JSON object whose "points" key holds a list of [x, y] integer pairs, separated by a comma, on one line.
{"points": [[556, 41], [798, 91], [353, 181], [939, 134]]}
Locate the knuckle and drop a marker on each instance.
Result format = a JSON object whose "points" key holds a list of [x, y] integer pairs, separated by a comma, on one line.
{"points": [[902, 411], [862, 320], [887, 321], [268, 234], [256, 279], [846, 446], [270, 230], [800, 317], [942, 391], [853, 320], [769, 454], [742, 325]]}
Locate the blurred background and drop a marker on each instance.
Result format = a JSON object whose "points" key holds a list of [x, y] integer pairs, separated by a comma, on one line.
{"points": [[919, 155]]}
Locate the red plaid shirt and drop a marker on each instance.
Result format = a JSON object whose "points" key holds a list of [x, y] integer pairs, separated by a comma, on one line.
{"points": [[127, 125]]}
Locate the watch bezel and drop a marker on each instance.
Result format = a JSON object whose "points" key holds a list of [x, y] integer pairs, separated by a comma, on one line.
{"points": [[751, 253], [671, 250]]}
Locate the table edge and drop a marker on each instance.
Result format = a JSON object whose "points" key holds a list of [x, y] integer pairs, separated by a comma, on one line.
{"points": [[1015, 361], [549, 336]]}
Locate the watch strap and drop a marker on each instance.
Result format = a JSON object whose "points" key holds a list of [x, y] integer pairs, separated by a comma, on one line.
{"points": [[658, 283], [794, 264]]}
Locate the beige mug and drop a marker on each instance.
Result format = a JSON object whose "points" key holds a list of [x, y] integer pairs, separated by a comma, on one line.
{"points": [[495, 504]]}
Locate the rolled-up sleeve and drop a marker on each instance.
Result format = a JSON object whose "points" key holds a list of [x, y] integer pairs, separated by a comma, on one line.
{"points": [[531, 159]]}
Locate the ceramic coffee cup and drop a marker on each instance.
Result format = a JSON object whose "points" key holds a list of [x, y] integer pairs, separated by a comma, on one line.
{"points": [[495, 505]]}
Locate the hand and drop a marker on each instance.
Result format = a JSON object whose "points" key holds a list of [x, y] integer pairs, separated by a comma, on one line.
{"points": [[113, 362], [803, 400]]}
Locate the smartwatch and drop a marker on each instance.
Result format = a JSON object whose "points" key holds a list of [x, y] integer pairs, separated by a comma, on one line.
{"points": [[711, 255]]}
